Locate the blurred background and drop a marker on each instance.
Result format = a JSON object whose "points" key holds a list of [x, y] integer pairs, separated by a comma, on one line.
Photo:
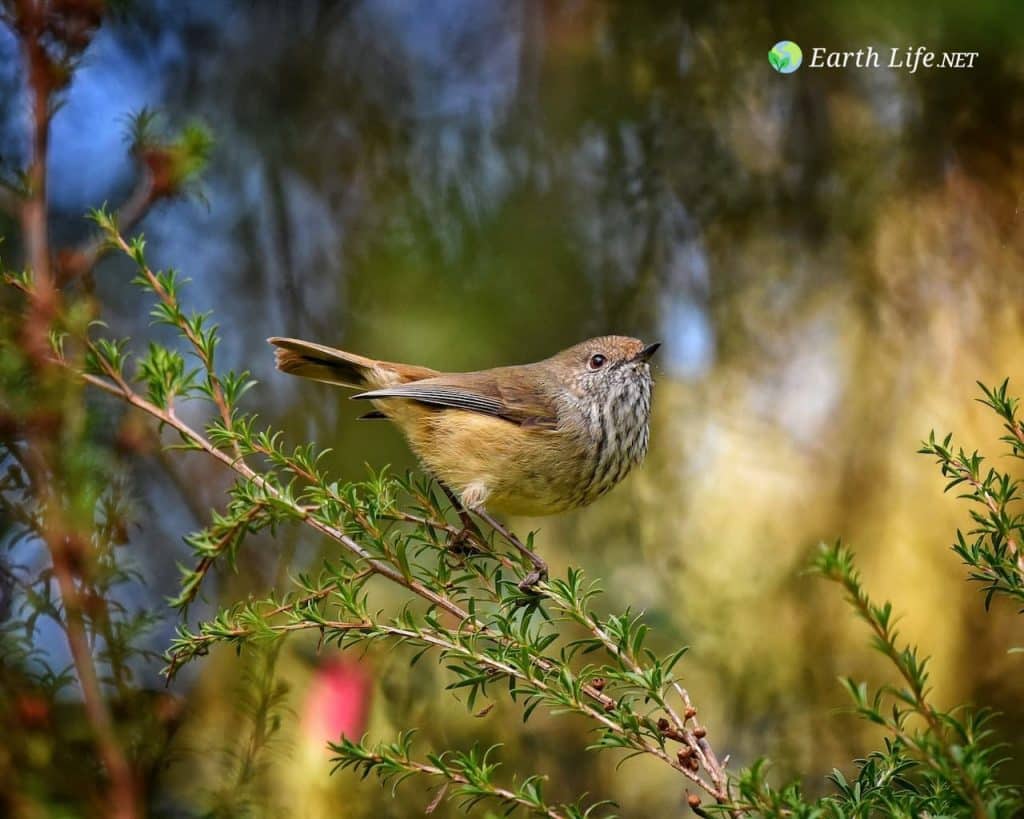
{"points": [[831, 258]]}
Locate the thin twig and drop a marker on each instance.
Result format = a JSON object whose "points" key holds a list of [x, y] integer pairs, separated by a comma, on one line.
{"points": [[79, 262], [993, 507], [540, 568], [679, 726], [498, 792], [207, 561], [169, 418], [216, 388]]}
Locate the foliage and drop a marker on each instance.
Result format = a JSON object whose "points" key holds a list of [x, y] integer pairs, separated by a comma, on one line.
{"points": [[934, 761], [992, 548], [66, 501], [464, 604]]}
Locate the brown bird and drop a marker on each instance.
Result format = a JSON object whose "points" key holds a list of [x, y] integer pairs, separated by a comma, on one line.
{"points": [[531, 439]]}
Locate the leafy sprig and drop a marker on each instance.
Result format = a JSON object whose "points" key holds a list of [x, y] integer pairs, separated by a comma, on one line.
{"points": [[464, 599], [933, 762], [953, 749], [992, 549], [467, 777]]}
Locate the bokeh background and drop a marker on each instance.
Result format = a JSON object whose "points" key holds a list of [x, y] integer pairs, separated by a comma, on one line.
{"points": [[831, 259]]}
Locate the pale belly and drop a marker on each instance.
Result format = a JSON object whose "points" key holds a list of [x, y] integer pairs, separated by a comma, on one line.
{"points": [[514, 470]]}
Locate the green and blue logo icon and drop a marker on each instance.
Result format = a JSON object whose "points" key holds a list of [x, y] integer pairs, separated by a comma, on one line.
{"points": [[785, 56]]}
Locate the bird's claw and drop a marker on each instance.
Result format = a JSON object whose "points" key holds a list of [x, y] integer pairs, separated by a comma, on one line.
{"points": [[533, 579], [462, 543]]}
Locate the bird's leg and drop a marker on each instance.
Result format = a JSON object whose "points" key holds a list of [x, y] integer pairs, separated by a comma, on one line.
{"points": [[540, 568], [470, 531]]}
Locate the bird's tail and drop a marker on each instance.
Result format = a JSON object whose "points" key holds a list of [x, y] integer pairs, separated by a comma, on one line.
{"points": [[332, 366]]}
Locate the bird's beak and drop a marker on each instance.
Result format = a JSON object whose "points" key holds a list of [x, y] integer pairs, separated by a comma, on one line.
{"points": [[646, 353]]}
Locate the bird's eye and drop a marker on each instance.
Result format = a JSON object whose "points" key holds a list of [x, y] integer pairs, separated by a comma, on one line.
{"points": [[596, 362]]}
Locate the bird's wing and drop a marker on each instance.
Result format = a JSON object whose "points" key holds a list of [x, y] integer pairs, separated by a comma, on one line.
{"points": [[504, 393]]}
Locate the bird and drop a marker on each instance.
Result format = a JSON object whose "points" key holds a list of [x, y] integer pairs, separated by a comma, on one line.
{"points": [[526, 440], [530, 439]]}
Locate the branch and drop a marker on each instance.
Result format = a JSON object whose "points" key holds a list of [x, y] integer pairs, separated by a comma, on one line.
{"points": [[122, 781], [470, 773], [997, 512], [203, 341], [167, 417], [468, 623], [693, 740], [43, 305], [65, 550], [451, 648], [39, 70]]}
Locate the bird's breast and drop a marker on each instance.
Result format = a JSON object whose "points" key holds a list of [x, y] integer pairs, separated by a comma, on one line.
{"points": [[528, 470], [618, 433]]}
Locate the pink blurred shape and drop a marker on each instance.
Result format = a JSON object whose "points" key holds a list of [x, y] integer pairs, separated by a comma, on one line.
{"points": [[337, 702]]}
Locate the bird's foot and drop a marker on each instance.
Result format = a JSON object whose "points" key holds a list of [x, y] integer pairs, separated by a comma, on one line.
{"points": [[467, 540], [463, 544], [539, 574], [540, 568]]}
